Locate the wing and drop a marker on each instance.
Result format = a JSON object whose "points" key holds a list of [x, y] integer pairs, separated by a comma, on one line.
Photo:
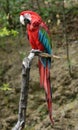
{"points": [[44, 38]]}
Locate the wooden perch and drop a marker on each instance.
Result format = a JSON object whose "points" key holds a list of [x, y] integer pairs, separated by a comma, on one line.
{"points": [[44, 54]]}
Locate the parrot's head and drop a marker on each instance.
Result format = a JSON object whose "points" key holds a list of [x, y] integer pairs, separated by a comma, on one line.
{"points": [[31, 18], [25, 19]]}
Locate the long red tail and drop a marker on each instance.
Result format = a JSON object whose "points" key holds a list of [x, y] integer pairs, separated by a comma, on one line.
{"points": [[45, 82]]}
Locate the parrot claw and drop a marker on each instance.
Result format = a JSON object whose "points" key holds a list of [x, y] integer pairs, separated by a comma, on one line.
{"points": [[19, 125], [35, 51]]}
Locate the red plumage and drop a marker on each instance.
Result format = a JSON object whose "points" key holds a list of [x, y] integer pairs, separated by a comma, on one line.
{"points": [[45, 82], [33, 32], [33, 29]]}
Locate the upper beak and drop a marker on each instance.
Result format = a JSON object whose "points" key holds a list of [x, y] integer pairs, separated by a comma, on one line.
{"points": [[22, 20]]}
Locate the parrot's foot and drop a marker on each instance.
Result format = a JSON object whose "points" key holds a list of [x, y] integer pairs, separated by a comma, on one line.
{"points": [[19, 125]]}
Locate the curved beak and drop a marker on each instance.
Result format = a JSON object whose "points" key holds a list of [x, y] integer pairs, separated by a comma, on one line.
{"points": [[22, 20]]}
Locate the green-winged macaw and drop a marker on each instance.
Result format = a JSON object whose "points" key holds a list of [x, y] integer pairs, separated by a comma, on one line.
{"points": [[39, 38]]}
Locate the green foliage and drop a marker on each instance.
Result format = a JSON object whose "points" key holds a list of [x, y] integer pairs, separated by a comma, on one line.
{"points": [[10, 10], [14, 32], [5, 32], [5, 87]]}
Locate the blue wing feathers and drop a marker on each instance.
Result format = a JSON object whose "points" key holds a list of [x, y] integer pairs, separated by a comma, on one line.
{"points": [[45, 40]]}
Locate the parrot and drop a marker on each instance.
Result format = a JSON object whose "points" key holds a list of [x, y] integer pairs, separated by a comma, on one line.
{"points": [[40, 40]]}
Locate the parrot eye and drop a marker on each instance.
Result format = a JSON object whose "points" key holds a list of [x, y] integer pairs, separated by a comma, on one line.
{"points": [[27, 21]]}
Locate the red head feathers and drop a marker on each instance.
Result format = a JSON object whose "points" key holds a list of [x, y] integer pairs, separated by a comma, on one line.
{"points": [[34, 19]]}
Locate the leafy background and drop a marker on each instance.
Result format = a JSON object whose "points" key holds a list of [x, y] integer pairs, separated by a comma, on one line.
{"points": [[62, 19]]}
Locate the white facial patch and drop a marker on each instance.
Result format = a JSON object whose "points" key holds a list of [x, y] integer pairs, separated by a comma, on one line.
{"points": [[28, 16], [22, 19]]}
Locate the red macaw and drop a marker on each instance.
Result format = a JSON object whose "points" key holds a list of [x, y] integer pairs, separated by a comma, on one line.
{"points": [[39, 38]]}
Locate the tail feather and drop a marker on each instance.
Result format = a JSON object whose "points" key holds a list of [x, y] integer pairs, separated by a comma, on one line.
{"points": [[49, 103], [41, 71], [45, 82]]}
